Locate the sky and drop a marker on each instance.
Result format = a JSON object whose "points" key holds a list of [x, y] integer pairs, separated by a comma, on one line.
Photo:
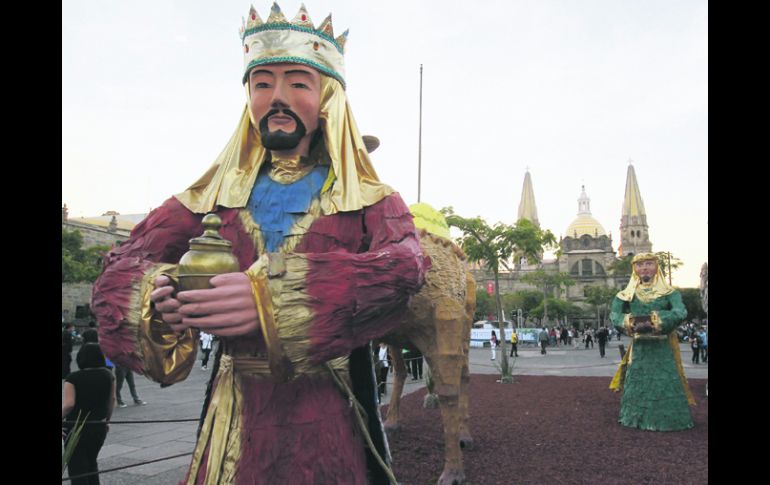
{"points": [[571, 90]]}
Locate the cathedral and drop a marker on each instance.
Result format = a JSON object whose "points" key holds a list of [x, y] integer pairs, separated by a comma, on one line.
{"points": [[585, 249]]}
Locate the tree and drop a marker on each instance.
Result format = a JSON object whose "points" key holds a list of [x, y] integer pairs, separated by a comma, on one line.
{"points": [[493, 246], [485, 305], [560, 309], [547, 281], [621, 266], [692, 302], [78, 264], [524, 300], [600, 298], [667, 262]]}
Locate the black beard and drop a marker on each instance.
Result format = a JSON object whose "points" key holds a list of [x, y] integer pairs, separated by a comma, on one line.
{"points": [[280, 140], [646, 279]]}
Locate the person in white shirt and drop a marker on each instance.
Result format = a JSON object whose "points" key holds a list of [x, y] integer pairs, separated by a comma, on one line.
{"points": [[493, 342], [206, 341], [382, 365]]}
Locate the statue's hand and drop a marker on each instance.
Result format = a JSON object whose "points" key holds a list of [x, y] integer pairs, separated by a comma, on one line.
{"points": [[165, 302], [227, 309]]}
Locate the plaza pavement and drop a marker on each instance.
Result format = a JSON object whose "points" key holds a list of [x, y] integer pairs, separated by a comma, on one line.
{"points": [[128, 444]]}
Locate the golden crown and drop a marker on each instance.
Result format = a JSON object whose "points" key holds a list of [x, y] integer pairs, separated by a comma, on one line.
{"points": [[278, 40]]}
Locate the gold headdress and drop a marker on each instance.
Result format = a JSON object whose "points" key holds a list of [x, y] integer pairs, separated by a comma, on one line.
{"points": [[352, 183], [645, 292]]}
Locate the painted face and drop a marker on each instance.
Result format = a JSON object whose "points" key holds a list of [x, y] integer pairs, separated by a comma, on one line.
{"points": [[646, 270], [285, 100]]}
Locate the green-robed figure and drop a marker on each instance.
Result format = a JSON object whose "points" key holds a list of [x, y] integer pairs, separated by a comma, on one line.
{"points": [[656, 396]]}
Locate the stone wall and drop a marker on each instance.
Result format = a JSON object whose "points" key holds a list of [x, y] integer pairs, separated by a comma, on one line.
{"points": [[96, 236], [72, 296]]}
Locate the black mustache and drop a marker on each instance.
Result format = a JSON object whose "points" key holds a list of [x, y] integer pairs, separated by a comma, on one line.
{"points": [[285, 111]]}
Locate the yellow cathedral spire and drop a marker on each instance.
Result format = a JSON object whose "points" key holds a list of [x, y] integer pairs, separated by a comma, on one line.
{"points": [[527, 207], [634, 232]]}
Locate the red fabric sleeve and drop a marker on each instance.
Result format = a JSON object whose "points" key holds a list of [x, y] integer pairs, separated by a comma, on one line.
{"points": [[360, 297], [162, 237]]}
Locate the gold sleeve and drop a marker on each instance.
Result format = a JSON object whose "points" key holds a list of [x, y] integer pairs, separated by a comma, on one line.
{"points": [[168, 356]]}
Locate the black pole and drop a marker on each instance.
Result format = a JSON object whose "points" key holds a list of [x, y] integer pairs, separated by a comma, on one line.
{"points": [[419, 149]]}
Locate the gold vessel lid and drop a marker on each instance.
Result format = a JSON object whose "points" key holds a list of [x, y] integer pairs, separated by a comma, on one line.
{"points": [[211, 239]]}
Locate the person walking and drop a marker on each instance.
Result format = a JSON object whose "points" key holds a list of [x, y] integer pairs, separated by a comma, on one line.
{"points": [[695, 346], [416, 364], [90, 335], [125, 374], [206, 343], [514, 342], [543, 338], [704, 345], [589, 337], [493, 344], [66, 350], [89, 393], [602, 336], [382, 369]]}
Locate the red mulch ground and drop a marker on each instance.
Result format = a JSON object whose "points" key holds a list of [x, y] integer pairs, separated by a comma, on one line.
{"points": [[551, 430]]}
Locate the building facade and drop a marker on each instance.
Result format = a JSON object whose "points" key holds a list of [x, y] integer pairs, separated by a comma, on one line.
{"points": [[109, 229], [585, 251]]}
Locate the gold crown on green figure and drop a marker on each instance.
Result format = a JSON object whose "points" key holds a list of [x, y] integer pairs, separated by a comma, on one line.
{"points": [[278, 40]]}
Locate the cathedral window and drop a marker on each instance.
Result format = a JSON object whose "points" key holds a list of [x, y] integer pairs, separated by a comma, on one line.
{"points": [[587, 267]]}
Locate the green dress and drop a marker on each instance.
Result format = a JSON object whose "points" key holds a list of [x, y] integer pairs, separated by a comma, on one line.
{"points": [[654, 395]]}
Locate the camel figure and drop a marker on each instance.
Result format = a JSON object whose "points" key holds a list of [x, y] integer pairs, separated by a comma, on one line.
{"points": [[438, 323]]}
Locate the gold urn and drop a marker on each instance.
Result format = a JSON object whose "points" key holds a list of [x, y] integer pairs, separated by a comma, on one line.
{"points": [[209, 255]]}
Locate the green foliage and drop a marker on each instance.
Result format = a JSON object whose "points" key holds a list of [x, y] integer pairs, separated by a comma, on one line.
{"points": [[79, 264], [600, 296], [494, 245], [485, 305], [547, 281], [525, 299], [664, 262], [622, 266], [692, 301], [72, 441], [559, 309]]}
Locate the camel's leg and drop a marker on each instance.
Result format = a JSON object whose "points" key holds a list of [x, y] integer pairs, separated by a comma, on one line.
{"points": [[399, 376], [446, 362], [466, 440]]}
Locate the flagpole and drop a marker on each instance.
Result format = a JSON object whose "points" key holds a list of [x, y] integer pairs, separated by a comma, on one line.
{"points": [[419, 149]]}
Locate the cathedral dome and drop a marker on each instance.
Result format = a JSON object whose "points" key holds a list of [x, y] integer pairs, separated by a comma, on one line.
{"points": [[585, 223]]}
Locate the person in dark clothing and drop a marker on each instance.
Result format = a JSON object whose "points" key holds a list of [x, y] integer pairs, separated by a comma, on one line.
{"points": [[66, 350], [602, 336], [695, 346], [90, 335], [543, 338], [589, 337], [416, 364], [121, 374], [90, 394]]}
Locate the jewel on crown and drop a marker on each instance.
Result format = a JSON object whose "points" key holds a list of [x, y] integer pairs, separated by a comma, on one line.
{"points": [[302, 19]]}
